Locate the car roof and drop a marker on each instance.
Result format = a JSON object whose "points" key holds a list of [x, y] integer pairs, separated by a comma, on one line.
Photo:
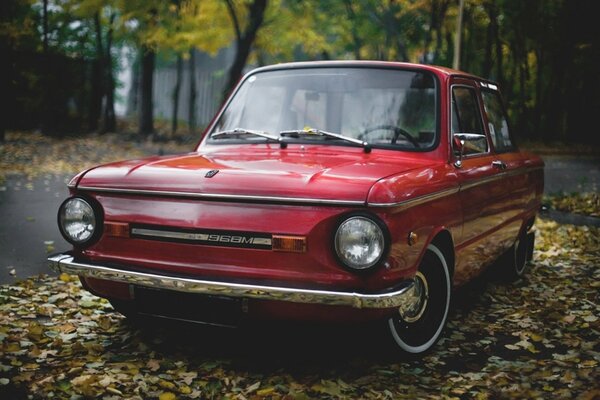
{"points": [[438, 70]]}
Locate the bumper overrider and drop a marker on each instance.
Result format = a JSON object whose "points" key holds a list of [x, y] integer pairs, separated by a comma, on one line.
{"points": [[404, 296]]}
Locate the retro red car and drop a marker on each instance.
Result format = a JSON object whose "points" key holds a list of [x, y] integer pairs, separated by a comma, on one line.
{"points": [[337, 191]]}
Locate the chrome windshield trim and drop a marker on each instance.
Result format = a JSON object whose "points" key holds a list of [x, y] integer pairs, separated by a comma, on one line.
{"points": [[402, 296], [418, 200], [229, 197]]}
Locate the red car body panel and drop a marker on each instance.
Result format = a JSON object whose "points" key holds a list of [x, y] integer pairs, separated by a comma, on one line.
{"points": [[483, 209], [321, 172]]}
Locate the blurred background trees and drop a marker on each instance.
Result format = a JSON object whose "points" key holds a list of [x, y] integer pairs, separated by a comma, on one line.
{"points": [[74, 65]]}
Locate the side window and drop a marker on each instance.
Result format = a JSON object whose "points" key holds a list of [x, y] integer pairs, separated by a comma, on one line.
{"points": [[497, 121], [466, 118]]}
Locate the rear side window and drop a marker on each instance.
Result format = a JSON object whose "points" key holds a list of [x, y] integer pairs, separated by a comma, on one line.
{"points": [[466, 118], [497, 120]]}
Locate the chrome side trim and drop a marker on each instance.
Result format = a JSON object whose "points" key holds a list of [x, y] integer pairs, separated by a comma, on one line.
{"points": [[497, 176], [448, 192], [230, 197], [403, 296], [418, 200]]}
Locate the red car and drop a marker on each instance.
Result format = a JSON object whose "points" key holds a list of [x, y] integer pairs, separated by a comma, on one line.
{"points": [[336, 191]]}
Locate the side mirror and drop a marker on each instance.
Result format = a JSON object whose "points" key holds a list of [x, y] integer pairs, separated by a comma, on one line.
{"points": [[459, 140]]}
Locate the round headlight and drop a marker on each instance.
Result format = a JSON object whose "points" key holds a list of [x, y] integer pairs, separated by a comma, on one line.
{"points": [[359, 242], [77, 220]]}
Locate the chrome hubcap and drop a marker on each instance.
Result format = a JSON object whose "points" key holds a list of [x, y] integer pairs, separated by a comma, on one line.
{"points": [[420, 295]]}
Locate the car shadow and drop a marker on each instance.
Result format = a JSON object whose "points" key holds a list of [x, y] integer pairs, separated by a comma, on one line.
{"points": [[265, 347], [291, 346]]}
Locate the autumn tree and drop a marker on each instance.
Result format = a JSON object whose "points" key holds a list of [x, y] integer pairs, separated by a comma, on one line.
{"points": [[245, 34], [185, 27]]}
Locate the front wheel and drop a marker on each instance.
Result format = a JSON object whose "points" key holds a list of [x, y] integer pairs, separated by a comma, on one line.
{"points": [[416, 330]]}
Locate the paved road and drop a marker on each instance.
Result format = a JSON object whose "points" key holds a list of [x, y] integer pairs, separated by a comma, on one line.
{"points": [[28, 212], [28, 229], [571, 174]]}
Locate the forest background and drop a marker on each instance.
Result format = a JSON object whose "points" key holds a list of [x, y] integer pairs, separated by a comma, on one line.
{"points": [[60, 59]]}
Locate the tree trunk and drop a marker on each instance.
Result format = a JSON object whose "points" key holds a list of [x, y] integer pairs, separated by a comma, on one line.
{"points": [[467, 45], [95, 109], [174, 116], [457, 41], [192, 102], [98, 78], [109, 121], [449, 47], [540, 61], [492, 33], [244, 40], [134, 90], [45, 26], [47, 112], [146, 118], [499, 59], [356, 41], [427, 54], [441, 15]]}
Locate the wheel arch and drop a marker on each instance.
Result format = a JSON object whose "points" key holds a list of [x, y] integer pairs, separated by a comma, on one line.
{"points": [[442, 239]]}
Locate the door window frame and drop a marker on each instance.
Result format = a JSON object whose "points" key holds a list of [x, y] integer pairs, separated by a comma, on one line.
{"points": [[471, 85]]}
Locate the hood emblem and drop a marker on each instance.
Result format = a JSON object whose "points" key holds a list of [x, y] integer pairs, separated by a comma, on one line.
{"points": [[211, 173]]}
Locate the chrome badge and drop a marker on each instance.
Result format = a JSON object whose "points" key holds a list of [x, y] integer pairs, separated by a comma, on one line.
{"points": [[211, 173]]}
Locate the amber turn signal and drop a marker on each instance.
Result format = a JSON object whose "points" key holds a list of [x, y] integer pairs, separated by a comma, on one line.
{"points": [[116, 229], [293, 244], [412, 238]]}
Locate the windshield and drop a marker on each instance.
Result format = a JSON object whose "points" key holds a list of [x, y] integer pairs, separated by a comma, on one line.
{"points": [[384, 107]]}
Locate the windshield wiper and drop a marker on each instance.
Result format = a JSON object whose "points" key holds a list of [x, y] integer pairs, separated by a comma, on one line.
{"points": [[241, 131], [307, 132]]}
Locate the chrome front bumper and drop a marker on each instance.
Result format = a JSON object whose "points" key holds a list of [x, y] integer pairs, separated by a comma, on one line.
{"points": [[403, 296]]}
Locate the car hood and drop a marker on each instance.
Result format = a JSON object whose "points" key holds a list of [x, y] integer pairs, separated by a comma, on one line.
{"points": [[309, 173]]}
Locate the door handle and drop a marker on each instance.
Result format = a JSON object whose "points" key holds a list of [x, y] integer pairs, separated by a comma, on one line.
{"points": [[499, 164]]}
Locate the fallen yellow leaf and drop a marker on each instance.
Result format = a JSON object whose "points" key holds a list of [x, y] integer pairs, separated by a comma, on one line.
{"points": [[265, 391], [167, 396]]}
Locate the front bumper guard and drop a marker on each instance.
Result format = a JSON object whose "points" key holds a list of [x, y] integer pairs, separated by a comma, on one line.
{"points": [[403, 296]]}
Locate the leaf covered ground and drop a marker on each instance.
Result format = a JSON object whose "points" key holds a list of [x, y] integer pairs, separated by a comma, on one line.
{"points": [[576, 203], [32, 154], [536, 338]]}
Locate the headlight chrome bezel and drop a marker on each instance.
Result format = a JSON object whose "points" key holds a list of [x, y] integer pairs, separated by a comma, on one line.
{"points": [[385, 234], [97, 215]]}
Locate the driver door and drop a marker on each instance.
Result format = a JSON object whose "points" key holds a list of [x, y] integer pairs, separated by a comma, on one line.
{"points": [[480, 191]]}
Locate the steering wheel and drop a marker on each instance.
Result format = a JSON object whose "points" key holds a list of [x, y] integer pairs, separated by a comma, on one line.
{"points": [[397, 133]]}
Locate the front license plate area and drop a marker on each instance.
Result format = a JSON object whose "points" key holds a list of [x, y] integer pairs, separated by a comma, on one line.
{"points": [[186, 306]]}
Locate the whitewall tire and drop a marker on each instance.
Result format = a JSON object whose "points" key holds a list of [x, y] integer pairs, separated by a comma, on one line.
{"points": [[417, 335]]}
